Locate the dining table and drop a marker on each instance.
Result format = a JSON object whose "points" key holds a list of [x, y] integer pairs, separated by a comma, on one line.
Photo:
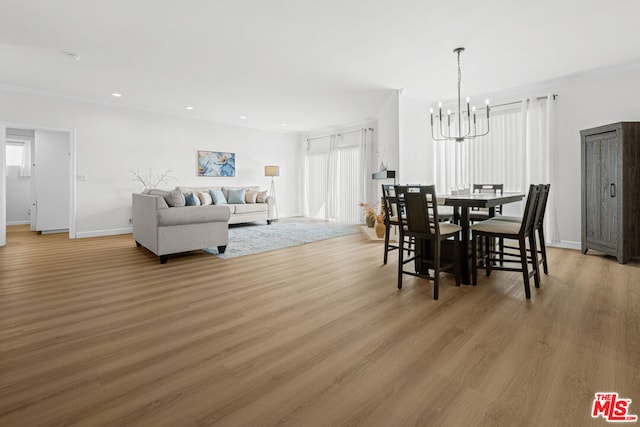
{"points": [[462, 204]]}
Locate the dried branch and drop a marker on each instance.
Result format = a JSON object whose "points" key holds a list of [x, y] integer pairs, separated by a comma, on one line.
{"points": [[151, 180]]}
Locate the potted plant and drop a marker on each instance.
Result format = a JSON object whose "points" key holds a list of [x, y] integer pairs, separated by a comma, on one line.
{"points": [[369, 213]]}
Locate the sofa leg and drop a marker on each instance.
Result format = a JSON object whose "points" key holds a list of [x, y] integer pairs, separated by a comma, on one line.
{"points": [[268, 222], [138, 244], [163, 259], [221, 249]]}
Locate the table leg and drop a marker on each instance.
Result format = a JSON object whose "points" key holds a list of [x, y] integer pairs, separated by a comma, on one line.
{"points": [[465, 270]]}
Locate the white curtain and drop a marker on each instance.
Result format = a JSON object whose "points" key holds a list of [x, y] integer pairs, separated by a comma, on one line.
{"points": [[516, 152], [335, 176], [332, 206], [25, 166]]}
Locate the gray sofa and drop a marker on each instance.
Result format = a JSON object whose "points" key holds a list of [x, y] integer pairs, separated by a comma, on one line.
{"points": [[168, 230], [164, 224]]}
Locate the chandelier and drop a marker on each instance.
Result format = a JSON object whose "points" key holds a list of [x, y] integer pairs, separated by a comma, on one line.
{"points": [[464, 132]]}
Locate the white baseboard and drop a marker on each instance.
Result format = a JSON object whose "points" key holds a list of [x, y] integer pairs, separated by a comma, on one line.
{"points": [[18, 222], [566, 245], [101, 233]]}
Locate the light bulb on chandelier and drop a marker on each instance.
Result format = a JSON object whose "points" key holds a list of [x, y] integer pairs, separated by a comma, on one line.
{"points": [[471, 131]]}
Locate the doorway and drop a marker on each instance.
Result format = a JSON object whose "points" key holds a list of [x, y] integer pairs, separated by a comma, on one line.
{"points": [[47, 164]]}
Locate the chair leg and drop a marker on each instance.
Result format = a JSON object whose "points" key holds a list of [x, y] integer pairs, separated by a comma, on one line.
{"points": [[525, 268], [543, 249], [534, 260], [487, 256], [474, 259], [501, 245], [400, 261], [456, 259], [386, 243], [436, 269]]}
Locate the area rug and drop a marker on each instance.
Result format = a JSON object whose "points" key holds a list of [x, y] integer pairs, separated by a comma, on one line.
{"points": [[247, 239]]}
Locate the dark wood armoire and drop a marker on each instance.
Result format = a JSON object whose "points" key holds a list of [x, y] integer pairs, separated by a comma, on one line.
{"points": [[611, 190]]}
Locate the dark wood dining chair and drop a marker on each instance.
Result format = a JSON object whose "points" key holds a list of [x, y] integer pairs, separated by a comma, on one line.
{"points": [[389, 204], [522, 233], [419, 222], [480, 214], [538, 224]]}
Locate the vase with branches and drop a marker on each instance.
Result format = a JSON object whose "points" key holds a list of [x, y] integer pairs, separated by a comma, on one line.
{"points": [[370, 215], [150, 179]]}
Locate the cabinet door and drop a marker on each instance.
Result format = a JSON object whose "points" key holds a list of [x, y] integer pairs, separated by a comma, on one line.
{"points": [[601, 190]]}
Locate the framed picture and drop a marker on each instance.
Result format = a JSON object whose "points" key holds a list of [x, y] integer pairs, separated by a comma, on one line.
{"points": [[214, 163]]}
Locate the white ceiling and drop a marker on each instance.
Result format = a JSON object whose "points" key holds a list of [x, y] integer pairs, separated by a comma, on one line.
{"points": [[309, 64]]}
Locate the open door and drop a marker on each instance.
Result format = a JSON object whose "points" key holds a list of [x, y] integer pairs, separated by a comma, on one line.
{"points": [[52, 176]]}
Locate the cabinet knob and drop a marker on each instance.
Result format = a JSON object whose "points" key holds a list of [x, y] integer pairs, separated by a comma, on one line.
{"points": [[612, 190]]}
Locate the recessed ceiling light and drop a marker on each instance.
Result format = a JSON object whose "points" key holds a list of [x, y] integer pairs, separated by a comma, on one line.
{"points": [[189, 107], [116, 95], [284, 124], [243, 117]]}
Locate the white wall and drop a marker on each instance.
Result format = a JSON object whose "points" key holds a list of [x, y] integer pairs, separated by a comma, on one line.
{"points": [[388, 132], [111, 140], [416, 150], [18, 196], [587, 101], [387, 142]]}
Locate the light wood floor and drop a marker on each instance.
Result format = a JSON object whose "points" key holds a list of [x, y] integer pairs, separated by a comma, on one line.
{"points": [[97, 332]]}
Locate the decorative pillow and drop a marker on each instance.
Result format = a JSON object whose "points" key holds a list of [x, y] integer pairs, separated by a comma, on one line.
{"points": [[236, 196], [173, 197], [205, 199], [191, 200], [218, 196], [250, 196], [262, 197]]}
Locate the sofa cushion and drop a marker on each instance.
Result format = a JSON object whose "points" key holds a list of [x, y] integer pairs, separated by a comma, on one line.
{"points": [[172, 197], [205, 198], [218, 196], [261, 197], [192, 215], [250, 196], [191, 200], [250, 208], [236, 196]]}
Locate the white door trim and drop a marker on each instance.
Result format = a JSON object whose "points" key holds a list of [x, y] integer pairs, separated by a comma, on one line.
{"points": [[3, 176]]}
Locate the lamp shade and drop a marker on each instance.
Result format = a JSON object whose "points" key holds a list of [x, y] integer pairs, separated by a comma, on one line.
{"points": [[272, 170]]}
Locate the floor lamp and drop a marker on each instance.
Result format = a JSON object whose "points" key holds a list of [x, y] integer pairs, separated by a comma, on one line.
{"points": [[272, 171]]}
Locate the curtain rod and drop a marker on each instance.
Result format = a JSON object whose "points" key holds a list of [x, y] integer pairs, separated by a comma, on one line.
{"points": [[339, 134], [505, 104], [538, 98]]}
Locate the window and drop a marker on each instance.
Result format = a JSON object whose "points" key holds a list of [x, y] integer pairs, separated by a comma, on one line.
{"points": [[335, 176], [518, 151], [14, 154]]}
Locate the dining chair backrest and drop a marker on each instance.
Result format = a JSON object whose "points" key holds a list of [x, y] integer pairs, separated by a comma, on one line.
{"points": [[492, 189], [389, 202], [529, 215], [420, 207], [542, 206]]}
